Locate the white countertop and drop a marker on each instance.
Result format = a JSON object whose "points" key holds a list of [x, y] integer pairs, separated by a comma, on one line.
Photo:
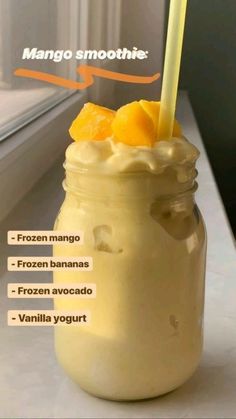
{"points": [[32, 385]]}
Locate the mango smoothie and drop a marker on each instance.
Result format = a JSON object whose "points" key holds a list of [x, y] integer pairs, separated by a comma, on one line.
{"points": [[133, 196]]}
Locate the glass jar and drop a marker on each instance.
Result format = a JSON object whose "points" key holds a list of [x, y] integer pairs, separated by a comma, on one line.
{"points": [[147, 240]]}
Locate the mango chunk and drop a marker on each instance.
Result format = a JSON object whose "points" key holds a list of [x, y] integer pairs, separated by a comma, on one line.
{"points": [[152, 108], [133, 126], [92, 123]]}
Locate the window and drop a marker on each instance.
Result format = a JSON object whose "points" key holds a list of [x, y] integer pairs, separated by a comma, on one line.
{"points": [[46, 25]]}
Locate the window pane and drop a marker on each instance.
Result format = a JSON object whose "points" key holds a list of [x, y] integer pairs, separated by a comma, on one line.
{"points": [[46, 25]]}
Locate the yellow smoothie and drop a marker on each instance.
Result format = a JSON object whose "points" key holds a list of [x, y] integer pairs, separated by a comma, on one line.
{"points": [[135, 204]]}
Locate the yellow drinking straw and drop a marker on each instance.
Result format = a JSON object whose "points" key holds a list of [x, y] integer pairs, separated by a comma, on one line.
{"points": [[171, 67]]}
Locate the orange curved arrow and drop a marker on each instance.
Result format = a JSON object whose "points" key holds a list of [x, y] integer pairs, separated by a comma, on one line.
{"points": [[88, 73]]}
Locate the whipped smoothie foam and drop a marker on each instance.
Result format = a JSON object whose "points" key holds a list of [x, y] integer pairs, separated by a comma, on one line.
{"points": [[135, 204]]}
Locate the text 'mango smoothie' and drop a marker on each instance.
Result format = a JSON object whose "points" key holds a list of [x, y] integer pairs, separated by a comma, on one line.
{"points": [[133, 196]]}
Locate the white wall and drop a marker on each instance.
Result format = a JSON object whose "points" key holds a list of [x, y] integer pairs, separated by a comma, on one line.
{"points": [[142, 25]]}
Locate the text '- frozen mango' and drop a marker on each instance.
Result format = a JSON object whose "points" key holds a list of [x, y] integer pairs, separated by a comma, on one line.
{"points": [[92, 123]]}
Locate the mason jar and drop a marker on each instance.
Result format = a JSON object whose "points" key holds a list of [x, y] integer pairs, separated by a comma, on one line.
{"points": [[147, 240]]}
